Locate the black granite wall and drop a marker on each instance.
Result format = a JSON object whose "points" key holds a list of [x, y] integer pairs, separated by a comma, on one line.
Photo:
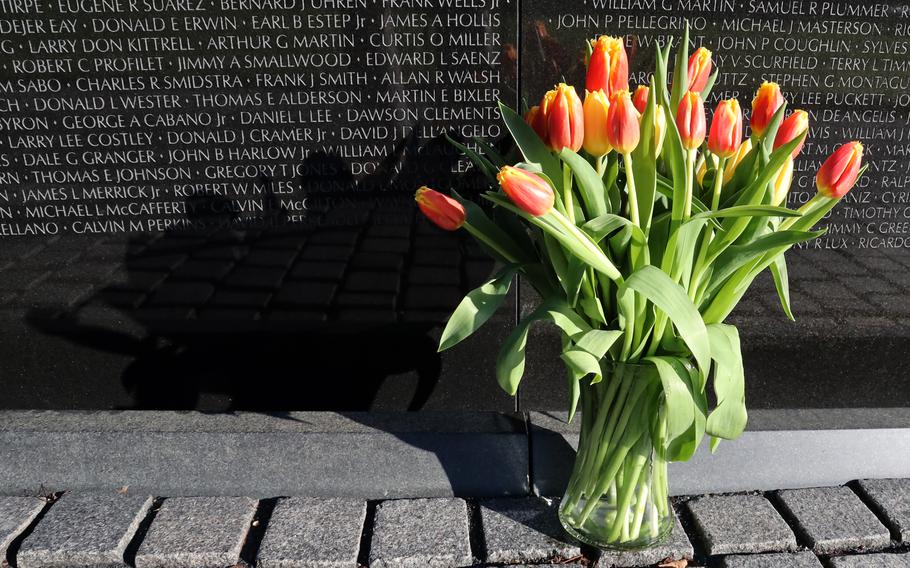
{"points": [[209, 204]]}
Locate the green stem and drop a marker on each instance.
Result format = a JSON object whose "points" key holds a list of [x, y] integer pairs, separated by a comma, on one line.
{"points": [[718, 184], [490, 243], [622, 440], [630, 483], [630, 189], [690, 181], [568, 198]]}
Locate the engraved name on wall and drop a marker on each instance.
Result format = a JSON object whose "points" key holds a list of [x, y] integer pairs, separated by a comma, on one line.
{"points": [[846, 63], [148, 115]]}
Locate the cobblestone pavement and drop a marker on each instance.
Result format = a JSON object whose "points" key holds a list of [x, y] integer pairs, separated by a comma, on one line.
{"points": [[861, 525]]}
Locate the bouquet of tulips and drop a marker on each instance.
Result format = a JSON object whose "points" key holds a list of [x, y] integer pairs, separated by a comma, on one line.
{"points": [[641, 228]]}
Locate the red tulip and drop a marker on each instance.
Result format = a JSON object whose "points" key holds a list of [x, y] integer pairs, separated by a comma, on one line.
{"points": [[840, 171], [690, 120], [766, 102], [640, 99], [726, 129], [444, 211], [699, 69], [565, 120], [608, 69], [623, 129], [530, 192], [790, 128]]}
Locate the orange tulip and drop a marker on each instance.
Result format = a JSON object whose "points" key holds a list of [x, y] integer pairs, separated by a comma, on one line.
{"points": [[538, 120], [608, 69], [699, 69], [442, 210], [565, 120], [595, 109], [840, 171], [766, 102], [530, 192], [690, 120], [790, 128], [640, 99], [726, 133], [623, 130]]}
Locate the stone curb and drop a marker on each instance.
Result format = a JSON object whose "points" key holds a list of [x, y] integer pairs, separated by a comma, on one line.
{"points": [[99, 529]]}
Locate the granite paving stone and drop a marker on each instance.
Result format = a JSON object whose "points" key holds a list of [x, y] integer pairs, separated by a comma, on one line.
{"points": [[677, 547], [84, 530], [891, 498], [312, 533], [737, 524], [872, 561], [524, 530], [798, 560], [197, 532], [835, 520], [16, 513], [411, 533]]}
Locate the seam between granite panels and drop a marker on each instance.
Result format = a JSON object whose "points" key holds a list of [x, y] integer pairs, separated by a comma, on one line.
{"points": [[530, 446], [476, 538], [13, 549], [803, 540], [366, 534], [689, 526], [877, 510], [256, 531], [142, 528]]}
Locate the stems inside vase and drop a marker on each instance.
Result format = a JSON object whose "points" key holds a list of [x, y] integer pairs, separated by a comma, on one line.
{"points": [[618, 496]]}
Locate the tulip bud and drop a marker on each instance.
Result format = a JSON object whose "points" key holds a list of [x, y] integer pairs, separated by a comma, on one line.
{"points": [[732, 163], [699, 69], [595, 109], [726, 129], [766, 102], [531, 116], [565, 120], [660, 131], [690, 120], [790, 128], [608, 69], [623, 129], [442, 210], [640, 99], [838, 174], [781, 185], [530, 192]]}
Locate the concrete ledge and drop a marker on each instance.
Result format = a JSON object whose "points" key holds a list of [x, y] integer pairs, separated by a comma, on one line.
{"points": [[369, 456], [782, 449], [408, 455]]}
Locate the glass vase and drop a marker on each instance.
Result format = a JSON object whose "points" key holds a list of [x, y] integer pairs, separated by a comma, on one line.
{"points": [[617, 497]]}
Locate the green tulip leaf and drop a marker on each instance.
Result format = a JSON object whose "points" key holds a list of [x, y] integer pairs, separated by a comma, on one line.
{"points": [[782, 285], [729, 417], [477, 307], [686, 407], [655, 285], [590, 185], [510, 364]]}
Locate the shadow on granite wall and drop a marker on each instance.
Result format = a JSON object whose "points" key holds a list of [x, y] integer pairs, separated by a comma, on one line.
{"points": [[311, 311]]}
